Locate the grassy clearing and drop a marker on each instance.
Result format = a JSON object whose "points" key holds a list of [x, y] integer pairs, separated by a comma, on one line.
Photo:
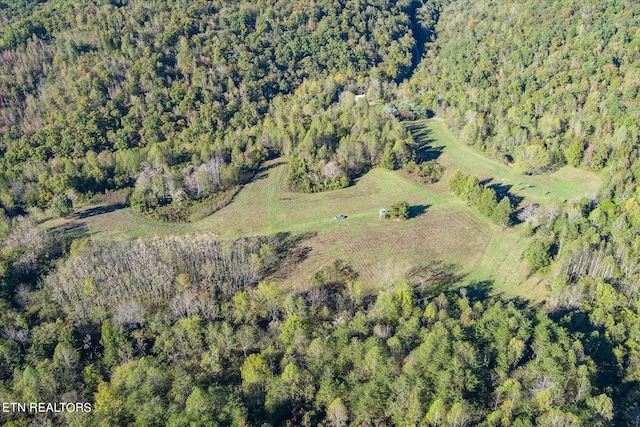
{"points": [[388, 250], [500, 262], [500, 265], [567, 183], [442, 235], [441, 231], [265, 206]]}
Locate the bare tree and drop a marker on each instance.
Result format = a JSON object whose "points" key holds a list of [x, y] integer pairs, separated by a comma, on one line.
{"points": [[182, 305], [30, 243], [204, 179], [528, 213], [130, 313], [246, 338], [19, 335]]}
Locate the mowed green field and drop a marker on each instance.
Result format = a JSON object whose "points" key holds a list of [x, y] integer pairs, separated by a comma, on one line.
{"points": [[567, 183], [442, 235], [441, 231], [500, 263]]}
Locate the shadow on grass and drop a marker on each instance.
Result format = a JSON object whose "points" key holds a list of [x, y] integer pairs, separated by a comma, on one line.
{"points": [[271, 166], [429, 153], [504, 190], [424, 149], [292, 251], [72, 230], [98, 210], [434, 278], [417, 210], [262, 173], [483, 290], [524, 214], [479, 291], [289, 241]]}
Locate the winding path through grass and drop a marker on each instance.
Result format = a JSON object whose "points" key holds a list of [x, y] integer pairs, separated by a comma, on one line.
{"points": [[439, 232], [567, 183], [443, 232]]}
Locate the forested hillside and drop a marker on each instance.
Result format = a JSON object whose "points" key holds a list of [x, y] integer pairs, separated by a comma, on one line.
{"points": [[168, 108], [95, 94], [193, 338], [548, 83]]}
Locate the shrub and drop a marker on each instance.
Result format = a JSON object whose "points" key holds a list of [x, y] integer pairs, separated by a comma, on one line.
{"points": [[537, 255], [61, 205], [487, 202], [502, 213], [399, 210]]}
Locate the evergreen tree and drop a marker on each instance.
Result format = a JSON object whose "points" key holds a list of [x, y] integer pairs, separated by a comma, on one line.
{"points": [[487, 202], [502, 212], [61, 205]]}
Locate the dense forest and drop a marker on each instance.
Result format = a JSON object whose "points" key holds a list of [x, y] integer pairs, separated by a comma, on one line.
{"points": [[174, 105], [548, 83], [203, 340], [170, 100]]}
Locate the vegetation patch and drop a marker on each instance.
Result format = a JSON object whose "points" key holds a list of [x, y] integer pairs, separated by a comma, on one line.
{"points": [[438, 231], [469, 189], [398, 210], [429, 171], [565, 183], [124, 280]]}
